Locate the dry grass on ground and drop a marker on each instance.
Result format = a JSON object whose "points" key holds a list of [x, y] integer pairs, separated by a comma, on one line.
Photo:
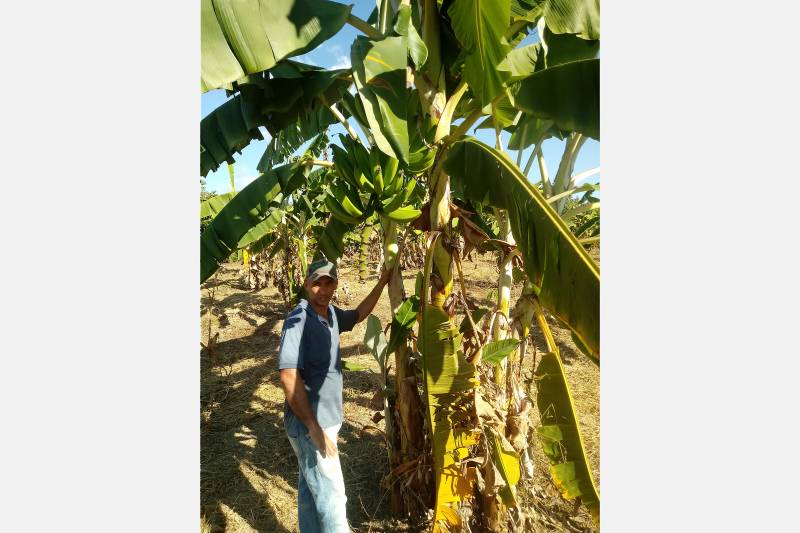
{"points": [[248, 470]]}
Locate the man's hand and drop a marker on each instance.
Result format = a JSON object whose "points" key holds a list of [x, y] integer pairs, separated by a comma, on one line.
{"points": [[386, 275], [323, 443], [368, 304]]}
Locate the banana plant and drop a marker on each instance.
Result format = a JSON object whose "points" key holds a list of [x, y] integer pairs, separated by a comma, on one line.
{"points": [[424, 75], [371, 184]]}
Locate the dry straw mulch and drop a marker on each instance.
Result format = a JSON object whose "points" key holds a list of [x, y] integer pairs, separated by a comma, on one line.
{"points": [[248, 470]]}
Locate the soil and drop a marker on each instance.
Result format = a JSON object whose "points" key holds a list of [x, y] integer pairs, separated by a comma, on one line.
{"points": [[248, 469]]}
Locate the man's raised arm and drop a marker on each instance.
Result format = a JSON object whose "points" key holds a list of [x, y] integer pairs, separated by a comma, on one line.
{"points": [[368, 304]]}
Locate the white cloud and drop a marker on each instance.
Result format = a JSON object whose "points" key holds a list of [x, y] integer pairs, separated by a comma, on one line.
{"points": [[305, 58], [340, 58]]}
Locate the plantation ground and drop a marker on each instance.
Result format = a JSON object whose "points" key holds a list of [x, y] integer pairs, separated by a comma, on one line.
{"points": [[248, 470]]}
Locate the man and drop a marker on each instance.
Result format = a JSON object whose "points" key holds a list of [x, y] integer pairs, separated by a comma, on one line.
{"points": [[311, 374]]}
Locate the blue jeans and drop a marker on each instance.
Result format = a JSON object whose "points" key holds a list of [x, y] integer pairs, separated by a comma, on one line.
{"points": [[320, 488]]}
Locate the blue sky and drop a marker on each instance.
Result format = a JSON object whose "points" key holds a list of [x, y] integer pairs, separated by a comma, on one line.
{"points": [[335, 53]]}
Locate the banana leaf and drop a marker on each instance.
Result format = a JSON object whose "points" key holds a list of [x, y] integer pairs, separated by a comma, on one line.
{"points": [[290, 139], [402, 322], [529, 10], [268, 241], [330, 240], [404, 26], [568, 279], [214, 205], [379, 69], [503, 113], [225, 131], [529, 130], [448, 381], [522, 62], [275, 103], [375, 340], [560, 437], [507, 462], [260, 230], [580, 17], [564, 48], [252, 205], [479, 26], [241, 37], [567, 94], [496, 351]]}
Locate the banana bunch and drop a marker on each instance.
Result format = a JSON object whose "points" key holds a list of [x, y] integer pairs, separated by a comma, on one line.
{"points": [[370, 182]]}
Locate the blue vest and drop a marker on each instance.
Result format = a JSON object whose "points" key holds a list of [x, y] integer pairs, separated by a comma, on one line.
{"points": [[310, 343]]}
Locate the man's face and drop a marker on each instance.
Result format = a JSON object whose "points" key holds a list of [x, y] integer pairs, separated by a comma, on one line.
{"points": [[321, 291]]}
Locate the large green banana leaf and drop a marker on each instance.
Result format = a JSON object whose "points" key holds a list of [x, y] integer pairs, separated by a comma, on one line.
{"points": [[580, 17], [560, 435], [260, 230], [225, 131], [287, 141], [561, 48], [379, 68], [564, 48], [479, 25], [404, 26], [530, 130], [276, 103], [567, 94], [214, 205], [567, 278], [448, 378], [251, 206], [529, 10], [522, 62], [241, 37]]}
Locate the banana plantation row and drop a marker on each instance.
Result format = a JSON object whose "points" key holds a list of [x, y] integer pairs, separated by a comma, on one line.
{"points": [[423, 74]]}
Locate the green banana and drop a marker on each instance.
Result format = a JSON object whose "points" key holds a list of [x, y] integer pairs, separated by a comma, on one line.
{"points": [[403, 214], [377, 182], [390, 171], [361, 159], [421, 160], [364, 184], [341, 196], [343, 164], [338, 212], [399, 198], [375, 161]]}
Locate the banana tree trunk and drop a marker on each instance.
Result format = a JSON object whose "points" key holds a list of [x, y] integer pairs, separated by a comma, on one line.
{"points": [[505, 278], [363, 252], [449, 379], [563, 178], [407, 437], [500, 331], [246, 265], [287, 267], [519, 393]]}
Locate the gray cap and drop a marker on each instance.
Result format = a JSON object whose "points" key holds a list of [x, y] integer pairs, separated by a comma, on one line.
{"points": [[319, 268]]}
